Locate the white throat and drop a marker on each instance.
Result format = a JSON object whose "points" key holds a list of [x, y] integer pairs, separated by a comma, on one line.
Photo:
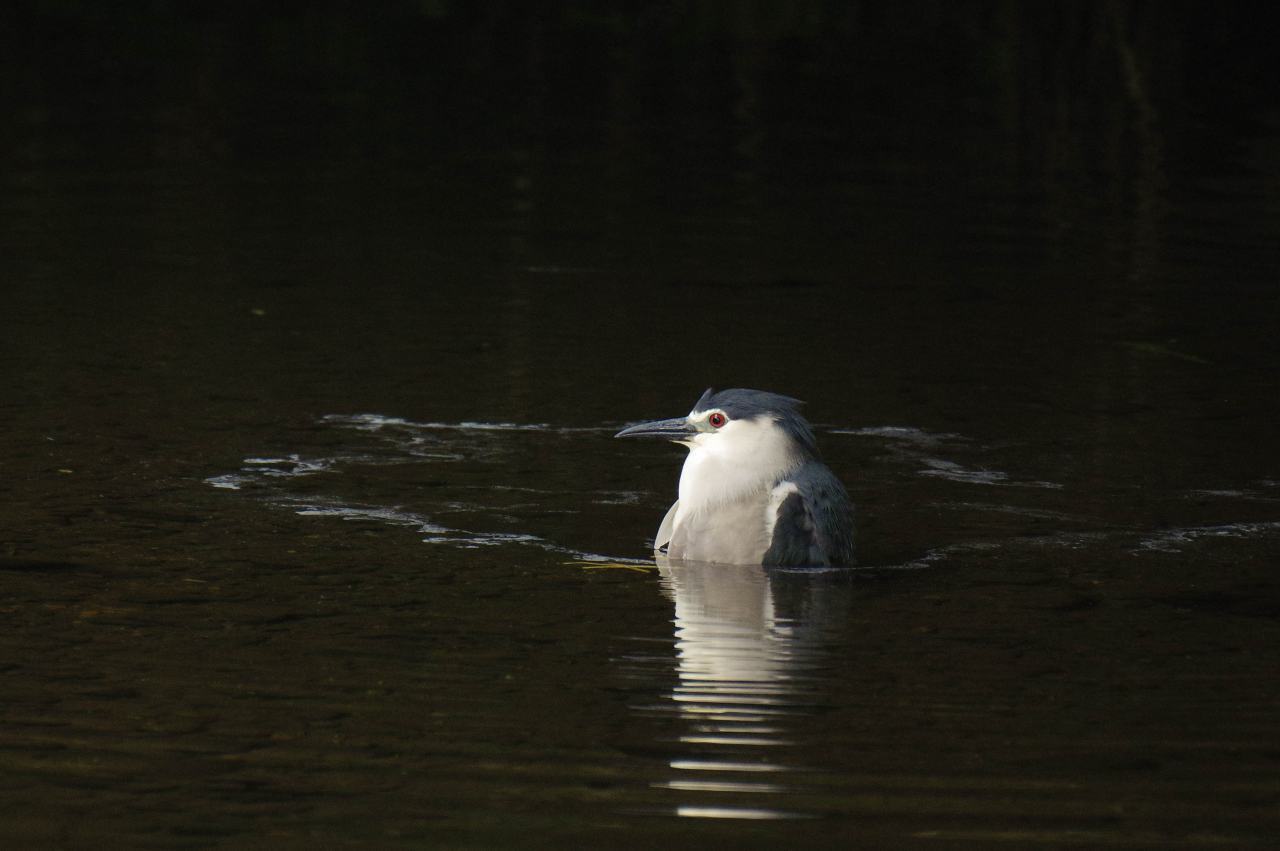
{"points": [[745, 457]]}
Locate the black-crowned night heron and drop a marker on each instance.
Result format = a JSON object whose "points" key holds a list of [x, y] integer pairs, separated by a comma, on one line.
{"points": [[753, 489]]}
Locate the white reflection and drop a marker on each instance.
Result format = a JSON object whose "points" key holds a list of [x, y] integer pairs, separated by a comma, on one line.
{"points": [[736, 813], [748, 645]]}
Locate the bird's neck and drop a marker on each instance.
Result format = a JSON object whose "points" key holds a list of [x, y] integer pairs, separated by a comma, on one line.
{"points": [[710, 478]]}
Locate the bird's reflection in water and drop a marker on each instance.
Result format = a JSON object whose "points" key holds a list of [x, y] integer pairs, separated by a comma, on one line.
{"points": [[751, 644]]}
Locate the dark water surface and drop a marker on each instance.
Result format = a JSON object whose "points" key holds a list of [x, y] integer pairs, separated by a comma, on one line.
{"points": [[314, 533]]}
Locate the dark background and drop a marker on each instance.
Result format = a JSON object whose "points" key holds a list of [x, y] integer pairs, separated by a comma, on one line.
{"points": [[261, 265], [1032, 160], [1052, 86]]}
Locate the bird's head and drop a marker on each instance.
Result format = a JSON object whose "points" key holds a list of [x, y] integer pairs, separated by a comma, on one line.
{"points": [[750, 428]]}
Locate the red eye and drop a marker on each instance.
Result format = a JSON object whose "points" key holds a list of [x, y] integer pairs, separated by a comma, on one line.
{"points": [[717, 419]]}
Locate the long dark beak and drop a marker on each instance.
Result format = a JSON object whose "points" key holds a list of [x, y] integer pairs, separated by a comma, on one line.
{"points": [[676, 429]]}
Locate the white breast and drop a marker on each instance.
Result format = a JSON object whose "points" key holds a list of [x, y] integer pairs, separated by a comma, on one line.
{"points": [[732, 533], [727, 509]]}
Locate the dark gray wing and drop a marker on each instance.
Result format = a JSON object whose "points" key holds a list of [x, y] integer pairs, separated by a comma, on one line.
{"points": [[814, 524]]}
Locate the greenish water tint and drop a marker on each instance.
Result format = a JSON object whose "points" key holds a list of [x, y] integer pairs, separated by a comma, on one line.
{"points": [[314, 533]]}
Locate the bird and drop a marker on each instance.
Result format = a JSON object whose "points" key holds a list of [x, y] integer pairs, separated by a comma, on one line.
{"points": [[754, 489]]}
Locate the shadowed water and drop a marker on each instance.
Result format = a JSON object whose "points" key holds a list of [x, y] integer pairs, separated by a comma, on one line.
{"points": [[314, 532]]}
